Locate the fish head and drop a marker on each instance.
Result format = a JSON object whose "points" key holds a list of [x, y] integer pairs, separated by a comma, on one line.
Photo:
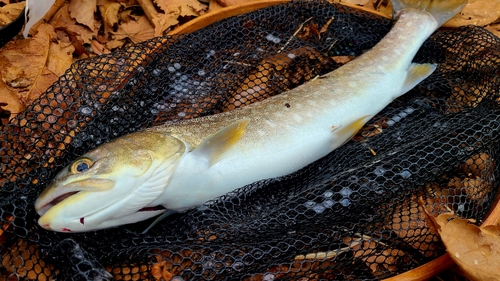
{"points": [[112, 185]]}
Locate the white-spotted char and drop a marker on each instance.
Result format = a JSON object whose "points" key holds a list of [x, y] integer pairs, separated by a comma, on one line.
{"points": [[178, 166]]}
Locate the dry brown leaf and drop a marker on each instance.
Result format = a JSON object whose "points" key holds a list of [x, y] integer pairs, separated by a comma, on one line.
{"points": [[477, 12], [63, 21], [9, 97], [137, 31], [109, 12], [476, 250], [494, 28], [83, 12], [22, 63], [98, 48], [160, 21], [181, 7], [60, 57], [10, 12]]}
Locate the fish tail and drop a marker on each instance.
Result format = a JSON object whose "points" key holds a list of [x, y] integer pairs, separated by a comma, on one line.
{"points": [[441, 10]]}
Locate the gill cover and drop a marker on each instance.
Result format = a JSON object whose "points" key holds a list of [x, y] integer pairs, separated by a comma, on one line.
{"points": [[111, 185]]}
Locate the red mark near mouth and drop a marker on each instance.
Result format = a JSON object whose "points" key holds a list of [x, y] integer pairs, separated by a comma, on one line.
{"points": [[64, 229], [82, 220]]}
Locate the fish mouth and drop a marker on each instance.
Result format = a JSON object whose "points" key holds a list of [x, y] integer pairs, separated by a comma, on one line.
{"points": [[41, 210]]}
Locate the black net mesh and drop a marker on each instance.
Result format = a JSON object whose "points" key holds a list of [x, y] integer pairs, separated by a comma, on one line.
{"points": [[352, 215]]}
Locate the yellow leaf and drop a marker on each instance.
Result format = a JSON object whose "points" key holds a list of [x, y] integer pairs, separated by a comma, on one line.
{"points": [[83, 12]]}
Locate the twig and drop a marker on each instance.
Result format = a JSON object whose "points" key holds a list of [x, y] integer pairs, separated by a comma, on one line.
{"points": [[294, 34]]}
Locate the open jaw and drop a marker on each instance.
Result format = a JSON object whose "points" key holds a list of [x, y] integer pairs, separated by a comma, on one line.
{"points": [[45, 207]]}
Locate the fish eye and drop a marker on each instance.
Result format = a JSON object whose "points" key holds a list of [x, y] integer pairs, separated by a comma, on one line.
{"points": [[81, 165]]}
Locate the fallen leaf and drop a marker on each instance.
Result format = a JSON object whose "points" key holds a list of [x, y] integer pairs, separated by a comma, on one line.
{"points": [[98, 48], [160, 21], [137, 31], [476, 250], [477, 12], [83, 12], [186, 7], [10, 12], [109, 12], [181, 7], [494, 28], [63, 21], [9, 101], [23, 68], [60, 57]]}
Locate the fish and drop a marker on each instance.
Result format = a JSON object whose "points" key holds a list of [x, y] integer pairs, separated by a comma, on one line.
{"points": [[180, 165]]}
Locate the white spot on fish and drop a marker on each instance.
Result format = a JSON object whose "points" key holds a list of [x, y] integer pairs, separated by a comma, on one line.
{"points": [[270, 123], [261, 133], [312, 102], [291, 55], [297, 118]]}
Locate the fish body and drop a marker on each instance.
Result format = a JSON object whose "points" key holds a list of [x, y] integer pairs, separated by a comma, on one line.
{"points": [[178, 166]]}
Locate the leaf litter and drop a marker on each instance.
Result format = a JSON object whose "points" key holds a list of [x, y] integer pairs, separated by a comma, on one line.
{"points": [[78, 29]]}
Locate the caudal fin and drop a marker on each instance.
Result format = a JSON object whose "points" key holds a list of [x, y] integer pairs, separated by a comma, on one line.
{"points": [[441, 10]]}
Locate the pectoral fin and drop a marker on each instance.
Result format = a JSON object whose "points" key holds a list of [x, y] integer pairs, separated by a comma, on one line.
{"points": [[348, 131], [214, 147], [416, 74]]}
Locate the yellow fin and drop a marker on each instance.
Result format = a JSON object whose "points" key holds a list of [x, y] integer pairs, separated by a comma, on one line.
{"points": [[217, 144], [352, 128], [416, 74]]}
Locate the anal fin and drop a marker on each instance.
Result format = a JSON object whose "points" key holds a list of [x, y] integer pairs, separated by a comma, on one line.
{"points": [[416, 74]]}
